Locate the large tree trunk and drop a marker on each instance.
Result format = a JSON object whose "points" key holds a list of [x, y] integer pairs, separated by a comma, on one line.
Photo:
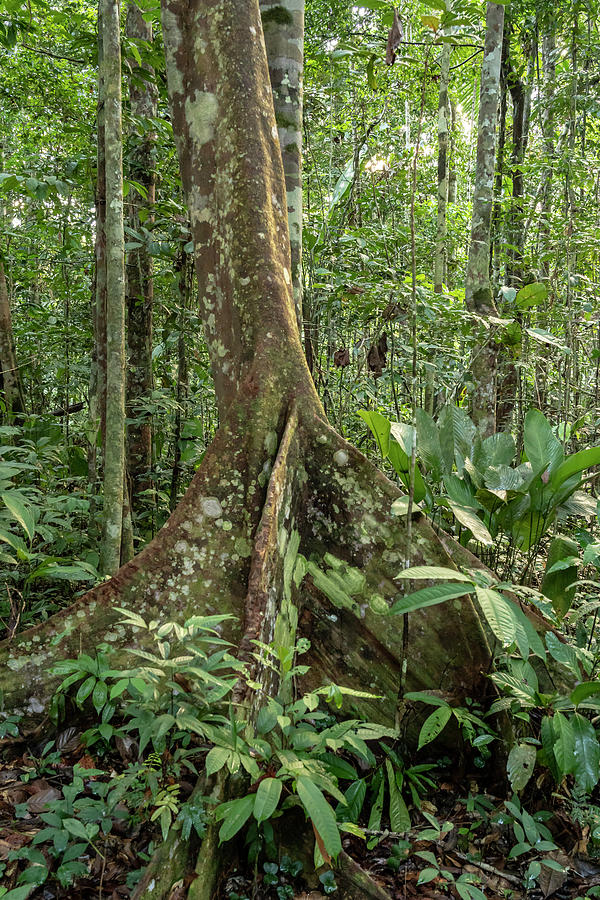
{"points": [[114, 447], [478, 292], [277, 480], [283, 26]]}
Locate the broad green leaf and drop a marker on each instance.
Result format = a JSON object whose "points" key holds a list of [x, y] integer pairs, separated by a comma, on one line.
{"points": [[498, 614], [496, 450], [543, 449], [355, 798], [417, 573], [520, 765], [12, 540], [236, 815], [534, 640], [267, 798], [22, 513], [548, 738], [399, 817], [563, 653], [321, 814], [574, 464], [503, 478], [545, 337], [429, 596], [460, 492], [85, 689], [583, 691], [469, 519], [405, 434], [586, 752], [74, 826], [377, 809], [380, 428], [434, 725], [456, 436], [531, 295], [564, 744], [429, 449], [559, 585]]}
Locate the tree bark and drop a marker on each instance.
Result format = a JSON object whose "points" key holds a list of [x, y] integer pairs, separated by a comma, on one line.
{"points": [[441, 251], [283, 27], [478, 292], [11, 388], [139, 265], [114, 448]]}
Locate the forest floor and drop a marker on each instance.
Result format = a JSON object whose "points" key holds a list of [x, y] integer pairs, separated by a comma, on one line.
{"points": [[461, 829]]}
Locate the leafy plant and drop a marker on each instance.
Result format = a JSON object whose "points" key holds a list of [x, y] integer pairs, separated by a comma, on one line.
{"points": [[289, 757]]}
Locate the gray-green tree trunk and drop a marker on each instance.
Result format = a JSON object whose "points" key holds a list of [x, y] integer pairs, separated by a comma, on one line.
{"points": [[478, 291], [283, 27], [139, 263], [114, 448]]}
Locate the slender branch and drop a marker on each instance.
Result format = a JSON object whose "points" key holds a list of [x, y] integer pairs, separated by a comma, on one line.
{"points": [[73, 59]]}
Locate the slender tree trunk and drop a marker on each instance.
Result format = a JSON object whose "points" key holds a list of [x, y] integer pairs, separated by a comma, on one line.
{"points": [[11, 389], [12, 398], [283, 26], [441, 250], [548, 89], [114, 448], [183, 288], [478, 292], [139, 265]]}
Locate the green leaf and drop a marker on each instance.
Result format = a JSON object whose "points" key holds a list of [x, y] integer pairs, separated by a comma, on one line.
{"points": [[429, 596], [545, 337], [456, 436], [520, 765], [99, 695], [216, 759], [321, 814], [543, 449], [20, 511], [12, 540], [469, 519], [267, 798], [399, 817], [564, 744], [417, 573], [574, 464], [74, 826], [428, 444], [498, 615], [377, 809], [559, 585], [355, 798], [380, 428], [434, 725], [236, 814], [531, 295], [586, 752], [85, 690], [583, 691], [563, 653]]}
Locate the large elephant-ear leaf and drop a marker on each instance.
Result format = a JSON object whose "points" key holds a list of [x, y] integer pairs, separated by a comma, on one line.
{"points": [[544, 450]]}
